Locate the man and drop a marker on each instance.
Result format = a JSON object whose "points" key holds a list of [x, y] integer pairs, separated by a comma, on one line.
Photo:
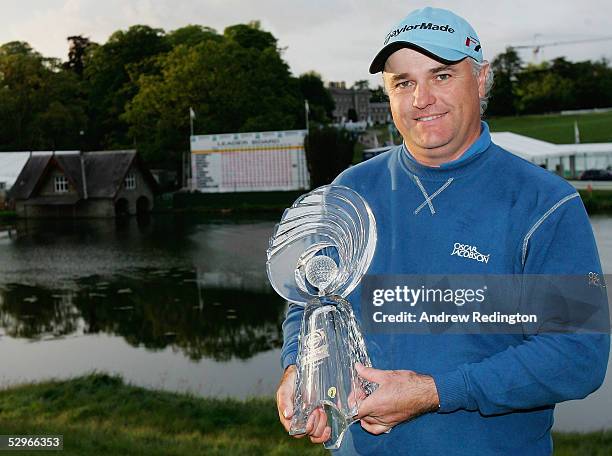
{"points": [[449, 185]]}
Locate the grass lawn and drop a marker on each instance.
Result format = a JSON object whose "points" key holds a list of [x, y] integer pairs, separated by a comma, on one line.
{"points": [[556, 128], [575, 444], [101, 415], [597, 201]]}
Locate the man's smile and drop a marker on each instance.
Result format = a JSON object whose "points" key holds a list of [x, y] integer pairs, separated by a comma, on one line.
{"points": [[429, 118]]}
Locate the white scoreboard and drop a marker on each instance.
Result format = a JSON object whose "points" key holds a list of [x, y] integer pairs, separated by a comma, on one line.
{"points": [[249, 162]]}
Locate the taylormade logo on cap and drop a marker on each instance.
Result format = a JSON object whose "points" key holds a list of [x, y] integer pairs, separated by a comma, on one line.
{"points": [[423, 26], [436, 32]]}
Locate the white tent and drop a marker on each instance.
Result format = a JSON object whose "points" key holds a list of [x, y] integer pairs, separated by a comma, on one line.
{"points": [[524, 146], [568, 160]]}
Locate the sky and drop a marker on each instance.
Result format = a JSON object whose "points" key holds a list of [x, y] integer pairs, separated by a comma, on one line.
{"points": [[336, 38]]}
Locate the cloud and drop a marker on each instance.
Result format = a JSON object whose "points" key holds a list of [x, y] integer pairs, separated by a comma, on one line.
{"points": [[336, 38]]}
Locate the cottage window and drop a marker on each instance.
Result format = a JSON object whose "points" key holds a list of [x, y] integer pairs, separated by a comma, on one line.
{"points": [[61, 184], [130, 182]]}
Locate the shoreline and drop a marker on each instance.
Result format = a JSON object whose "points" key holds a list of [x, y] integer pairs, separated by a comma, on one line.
{"points": [[595, 201], [241, 203], [100, 414]]}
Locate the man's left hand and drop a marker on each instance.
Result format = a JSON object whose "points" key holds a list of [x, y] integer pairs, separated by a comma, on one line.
{"points": [[401, 396]]}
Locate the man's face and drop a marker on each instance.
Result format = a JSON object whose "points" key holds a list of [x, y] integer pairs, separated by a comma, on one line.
{"points": [[435, 107]]}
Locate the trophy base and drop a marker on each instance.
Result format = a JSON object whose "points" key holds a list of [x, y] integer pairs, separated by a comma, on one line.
{"points": [[338, 423], [330, 344]]}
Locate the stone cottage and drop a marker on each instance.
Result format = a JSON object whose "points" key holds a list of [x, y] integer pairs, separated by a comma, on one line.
{"points": [[84, 184]]}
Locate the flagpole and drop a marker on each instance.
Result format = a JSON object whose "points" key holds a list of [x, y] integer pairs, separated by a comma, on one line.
{"points": [[307, 109], [187, 168], [191, 116]]}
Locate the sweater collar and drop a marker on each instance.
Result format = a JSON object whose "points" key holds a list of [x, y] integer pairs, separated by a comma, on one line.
{"points": [[462, 165]]}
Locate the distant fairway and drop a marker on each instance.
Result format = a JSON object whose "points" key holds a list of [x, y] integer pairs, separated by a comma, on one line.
{"points": [[556, 128]]}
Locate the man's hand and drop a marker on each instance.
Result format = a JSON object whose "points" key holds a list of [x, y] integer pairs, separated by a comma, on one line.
{"points": [[401, 396], [316, 427]]}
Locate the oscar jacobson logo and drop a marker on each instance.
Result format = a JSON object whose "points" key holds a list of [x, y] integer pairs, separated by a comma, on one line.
{"points": [[469, 251]]}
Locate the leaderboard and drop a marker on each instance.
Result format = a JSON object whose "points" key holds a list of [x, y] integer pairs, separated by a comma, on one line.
{"points": [[246, 162]]}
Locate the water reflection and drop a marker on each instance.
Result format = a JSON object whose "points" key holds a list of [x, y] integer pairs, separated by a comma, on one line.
{"points": [[35, 313], [175, 302], [154, 309]]}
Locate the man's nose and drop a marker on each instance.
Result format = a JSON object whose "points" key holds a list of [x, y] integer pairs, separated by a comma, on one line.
{"points": [[423, 96]]}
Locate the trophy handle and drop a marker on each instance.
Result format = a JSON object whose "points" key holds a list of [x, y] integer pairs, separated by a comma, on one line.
{"points": [[330, 343]]}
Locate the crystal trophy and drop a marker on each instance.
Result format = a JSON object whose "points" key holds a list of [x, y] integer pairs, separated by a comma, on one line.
{"points": [[319, 251]]}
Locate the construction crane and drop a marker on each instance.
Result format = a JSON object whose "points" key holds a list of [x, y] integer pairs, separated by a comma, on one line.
{"points": [[536, 47]]}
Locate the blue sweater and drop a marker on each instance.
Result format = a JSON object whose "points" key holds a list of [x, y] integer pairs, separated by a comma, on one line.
{"points": [[497, 392]]}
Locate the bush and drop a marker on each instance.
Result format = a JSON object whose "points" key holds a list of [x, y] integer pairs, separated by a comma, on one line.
{"points": [[329, 151]]}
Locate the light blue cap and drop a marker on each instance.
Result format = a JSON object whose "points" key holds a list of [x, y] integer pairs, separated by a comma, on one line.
{"points": [[438, 33]]}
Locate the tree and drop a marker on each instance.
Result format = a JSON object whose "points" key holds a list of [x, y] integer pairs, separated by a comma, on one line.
{"points": [[191, 35], [76, 53], [18, 48], [59, 123], [378, 95], [362, 84], [329, 151], [41, 106], [319, 99], [540, 90], [508, 62], [589, 81], [250, 36], [231, 88], [506, 67], [111, 74], [549, 86], [21, 75]]}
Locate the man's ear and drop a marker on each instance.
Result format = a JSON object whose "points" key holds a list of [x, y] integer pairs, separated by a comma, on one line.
{"points": [[482, 78], [384, 82]]}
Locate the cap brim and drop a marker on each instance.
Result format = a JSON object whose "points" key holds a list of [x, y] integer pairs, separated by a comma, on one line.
{"points": [[442, 55]]}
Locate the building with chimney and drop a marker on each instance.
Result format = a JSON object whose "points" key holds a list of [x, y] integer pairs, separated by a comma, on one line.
{"points": [[83, 184], [347, 99]]}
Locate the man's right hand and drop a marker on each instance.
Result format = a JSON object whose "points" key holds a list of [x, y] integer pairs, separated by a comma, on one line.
{"points": [[316, 427]]}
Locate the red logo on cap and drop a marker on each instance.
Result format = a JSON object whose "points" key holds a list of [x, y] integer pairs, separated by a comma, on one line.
{"points": [[470, 40]]}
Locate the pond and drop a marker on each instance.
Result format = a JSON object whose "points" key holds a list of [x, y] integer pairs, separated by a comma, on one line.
{"points": [[175, 302]]}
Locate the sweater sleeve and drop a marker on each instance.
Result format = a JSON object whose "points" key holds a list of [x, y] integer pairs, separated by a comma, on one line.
{"points": [[545, 368], [291, 331]]}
